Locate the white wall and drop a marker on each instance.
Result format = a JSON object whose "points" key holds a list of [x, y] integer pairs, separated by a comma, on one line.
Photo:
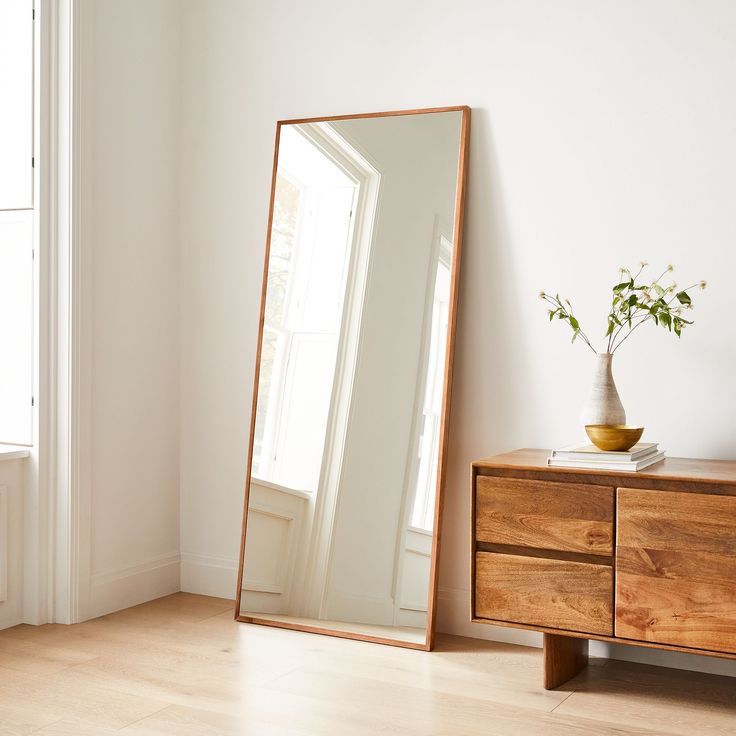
{"points": [[130, 155], [417, 159], [601, 135]]}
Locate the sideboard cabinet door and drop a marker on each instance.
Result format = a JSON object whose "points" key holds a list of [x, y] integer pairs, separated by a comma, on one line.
{"points": [[676, 569]]}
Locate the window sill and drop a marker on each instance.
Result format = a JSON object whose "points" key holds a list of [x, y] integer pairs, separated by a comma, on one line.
{"points": [[282, 489], [13, 452]]}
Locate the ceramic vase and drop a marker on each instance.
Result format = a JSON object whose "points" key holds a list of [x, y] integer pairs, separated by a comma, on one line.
{"points": [[603, 405]]}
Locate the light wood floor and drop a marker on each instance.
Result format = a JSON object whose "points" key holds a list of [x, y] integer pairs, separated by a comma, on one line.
{"points": [[182, 666]]}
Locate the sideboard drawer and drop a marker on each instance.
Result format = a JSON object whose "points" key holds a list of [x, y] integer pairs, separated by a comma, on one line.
{"points": [[570, 517], [676, 569], [573, 596]]}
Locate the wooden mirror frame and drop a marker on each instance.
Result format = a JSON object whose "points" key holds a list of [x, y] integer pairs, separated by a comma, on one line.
{"points": [[446, 395]]}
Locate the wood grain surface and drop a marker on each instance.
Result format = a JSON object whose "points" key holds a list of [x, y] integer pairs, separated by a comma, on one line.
{"points": [[676, 569], [555, 593], [564, 657], [540, 514], [711, 476]]}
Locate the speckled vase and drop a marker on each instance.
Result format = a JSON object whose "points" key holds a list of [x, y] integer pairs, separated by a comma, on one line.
{"points": [[603, 405]]}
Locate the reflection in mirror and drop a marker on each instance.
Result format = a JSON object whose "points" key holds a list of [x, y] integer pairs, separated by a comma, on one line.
{"points": [[351, 393]]}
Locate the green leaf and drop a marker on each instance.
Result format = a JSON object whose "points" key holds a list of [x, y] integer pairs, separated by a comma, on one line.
{"points": [[574, 323], [658, 289], [683, 298], [620, 287], [633, 299], [611, 326], [551, 314], [666, 320]]}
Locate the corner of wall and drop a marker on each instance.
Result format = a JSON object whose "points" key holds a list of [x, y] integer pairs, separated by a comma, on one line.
{"points": [[206, 575], [131, 586]]}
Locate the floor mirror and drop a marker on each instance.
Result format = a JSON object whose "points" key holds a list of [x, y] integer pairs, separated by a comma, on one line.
{"points": [[348, 436]]}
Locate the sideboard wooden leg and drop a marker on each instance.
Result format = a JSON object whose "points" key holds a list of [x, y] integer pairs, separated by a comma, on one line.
{"points": [[564, 657]]}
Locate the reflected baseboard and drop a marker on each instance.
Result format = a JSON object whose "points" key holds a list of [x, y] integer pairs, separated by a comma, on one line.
{"points": [[399, 633]]}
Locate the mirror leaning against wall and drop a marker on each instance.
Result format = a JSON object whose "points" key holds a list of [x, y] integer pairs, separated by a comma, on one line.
{"points": [[352, 391]]}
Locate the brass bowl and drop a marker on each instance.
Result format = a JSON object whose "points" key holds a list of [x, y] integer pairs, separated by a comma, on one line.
{"points": [[614, 437]]}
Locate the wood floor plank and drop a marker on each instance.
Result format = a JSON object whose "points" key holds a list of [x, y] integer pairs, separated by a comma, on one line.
{"points": [[75, 727], [415, 712], [59, 697], [187, 721], [686, 703], [181, 666], [39, 659], [506, 674], [17, 719]]}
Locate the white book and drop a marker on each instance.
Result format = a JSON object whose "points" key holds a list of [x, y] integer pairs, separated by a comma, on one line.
{"points": [[618, 465], [590, 452]]}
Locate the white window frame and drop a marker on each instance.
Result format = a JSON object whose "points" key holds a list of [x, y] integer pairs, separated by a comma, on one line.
{"points": [[425, 499], [33, 208], [57, 520], [313, 572], [279, 389]]}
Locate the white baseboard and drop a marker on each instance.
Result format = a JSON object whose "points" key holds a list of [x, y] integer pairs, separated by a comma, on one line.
{"points": [[205, 575], [453, 617], [355, 607], [409, 617], [130, 586]]}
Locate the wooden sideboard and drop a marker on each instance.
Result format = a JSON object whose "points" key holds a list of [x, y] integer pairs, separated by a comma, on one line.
{"points": [[645, 558]]}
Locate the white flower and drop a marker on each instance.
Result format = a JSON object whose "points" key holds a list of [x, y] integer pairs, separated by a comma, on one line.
{"points": [[542, 295], [703, 284], [670, 268]]}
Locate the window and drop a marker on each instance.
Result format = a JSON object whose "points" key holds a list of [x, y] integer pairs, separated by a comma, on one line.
{"points": [[16, 221], [308, 262]]}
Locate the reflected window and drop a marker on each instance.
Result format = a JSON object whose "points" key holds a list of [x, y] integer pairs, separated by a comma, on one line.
{"points": [[428, 461], [309, 256]]}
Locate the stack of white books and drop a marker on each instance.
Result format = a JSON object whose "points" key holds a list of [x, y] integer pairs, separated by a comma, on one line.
{"points": [[640, 456]]}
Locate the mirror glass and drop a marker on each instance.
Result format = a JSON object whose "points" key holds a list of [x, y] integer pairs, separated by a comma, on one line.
{"points": [[351, 394]]}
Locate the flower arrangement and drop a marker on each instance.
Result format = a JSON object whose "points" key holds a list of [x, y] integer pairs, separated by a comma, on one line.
{"points": [[635, 301]]}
